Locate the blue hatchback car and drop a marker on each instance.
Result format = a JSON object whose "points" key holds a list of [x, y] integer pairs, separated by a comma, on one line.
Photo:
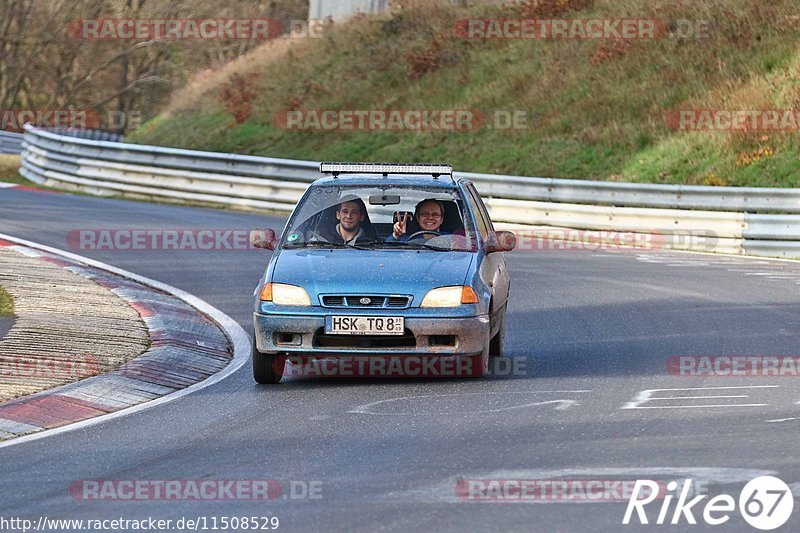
{"points": [[388, 262]]}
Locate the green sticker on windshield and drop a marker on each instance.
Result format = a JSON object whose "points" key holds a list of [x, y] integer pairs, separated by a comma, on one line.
{"points": [[293, 237]]}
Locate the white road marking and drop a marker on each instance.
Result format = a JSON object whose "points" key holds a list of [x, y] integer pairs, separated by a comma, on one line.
{"points": [[698, 397], [646, 396], [700, 406], [561, 404], [783, 419], [239, 339], [711, 258]]}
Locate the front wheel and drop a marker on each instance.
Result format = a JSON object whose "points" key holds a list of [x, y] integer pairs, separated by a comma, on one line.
{"points": [[480, 363], [267, 368], [497, 345]]}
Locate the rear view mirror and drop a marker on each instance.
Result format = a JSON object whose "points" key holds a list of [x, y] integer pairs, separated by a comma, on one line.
{"points": [[384, 199], [263, 238], [500, 241]]}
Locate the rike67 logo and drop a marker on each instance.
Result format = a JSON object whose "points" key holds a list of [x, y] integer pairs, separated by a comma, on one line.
{"points": [[765, 503]]}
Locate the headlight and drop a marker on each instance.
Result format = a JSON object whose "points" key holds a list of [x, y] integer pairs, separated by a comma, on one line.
{"points": [[449, 297], [282, 294]]}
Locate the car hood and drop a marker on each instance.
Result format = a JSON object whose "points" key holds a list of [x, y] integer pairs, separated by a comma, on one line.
{"points": [[344, 271]]}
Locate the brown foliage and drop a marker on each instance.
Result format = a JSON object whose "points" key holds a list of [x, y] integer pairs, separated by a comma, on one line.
{"points": [[421, 63], [46, 64], [608, 50], [296, 101], [550, 8], [238, 95], [745, 159]]}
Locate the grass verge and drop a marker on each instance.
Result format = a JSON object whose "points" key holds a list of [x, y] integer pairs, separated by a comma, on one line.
{"points": [[6, 303], [596, 109], [9, 170]]}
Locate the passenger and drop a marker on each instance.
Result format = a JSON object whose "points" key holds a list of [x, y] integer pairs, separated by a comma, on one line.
{"points": [[429, 214]]}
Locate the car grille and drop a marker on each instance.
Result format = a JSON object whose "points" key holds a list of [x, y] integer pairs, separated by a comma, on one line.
{"points": [[324, 340], [351, 301]]}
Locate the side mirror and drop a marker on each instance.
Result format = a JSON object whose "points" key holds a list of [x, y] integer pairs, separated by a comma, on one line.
{"points": [[500, 241], [263, 238]]}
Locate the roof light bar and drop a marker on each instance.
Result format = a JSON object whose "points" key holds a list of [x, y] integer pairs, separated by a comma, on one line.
{"points": [[384, 168]]}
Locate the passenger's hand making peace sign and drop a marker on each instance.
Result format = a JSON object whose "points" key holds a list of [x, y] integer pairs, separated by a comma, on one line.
{"points": [[400, 226]]}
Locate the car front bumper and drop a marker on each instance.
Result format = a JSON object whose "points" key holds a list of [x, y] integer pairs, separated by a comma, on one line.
{"points": [[303, 334]]}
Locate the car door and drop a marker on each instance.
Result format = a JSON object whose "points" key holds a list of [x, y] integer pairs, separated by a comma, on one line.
{"points": [[493, 268]]}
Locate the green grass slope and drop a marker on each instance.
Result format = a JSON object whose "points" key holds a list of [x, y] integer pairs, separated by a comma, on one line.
{"points": [[596, 109]]}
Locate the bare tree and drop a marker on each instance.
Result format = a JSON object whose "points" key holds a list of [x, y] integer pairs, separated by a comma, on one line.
{"points": [[43, 64]]}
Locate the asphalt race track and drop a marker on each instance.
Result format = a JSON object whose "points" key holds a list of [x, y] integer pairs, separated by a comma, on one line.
{"points": [[594, 331]]}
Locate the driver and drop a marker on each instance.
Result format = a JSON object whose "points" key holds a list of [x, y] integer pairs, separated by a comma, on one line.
{"points": [[349, 231], [429, 214]]}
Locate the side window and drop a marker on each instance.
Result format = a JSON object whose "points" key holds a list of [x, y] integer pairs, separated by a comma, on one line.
{"points": [[480, 219], [483, 210]]}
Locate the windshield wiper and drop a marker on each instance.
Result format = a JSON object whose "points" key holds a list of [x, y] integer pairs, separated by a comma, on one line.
{"points": [[324, 244], [316, 244], [399, 244], [437, 248], [415, 245]]}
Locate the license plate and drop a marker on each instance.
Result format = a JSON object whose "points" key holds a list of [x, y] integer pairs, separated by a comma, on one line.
{"points": [[364, 325]]}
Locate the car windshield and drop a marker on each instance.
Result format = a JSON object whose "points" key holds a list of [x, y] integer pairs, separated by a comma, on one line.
{"points": [[363, 217]]}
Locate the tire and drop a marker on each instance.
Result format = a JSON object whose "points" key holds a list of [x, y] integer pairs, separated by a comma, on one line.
{"points": [[480, 363], [497, 344], [267, 368]]}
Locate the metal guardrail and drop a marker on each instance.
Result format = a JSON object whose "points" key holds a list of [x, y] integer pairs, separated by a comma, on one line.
{"points": [[10, 143], [727, 218], [82, 133], [745, 199]]}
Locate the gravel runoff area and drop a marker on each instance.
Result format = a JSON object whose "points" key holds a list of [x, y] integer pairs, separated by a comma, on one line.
{"points": [[67, 327]]}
